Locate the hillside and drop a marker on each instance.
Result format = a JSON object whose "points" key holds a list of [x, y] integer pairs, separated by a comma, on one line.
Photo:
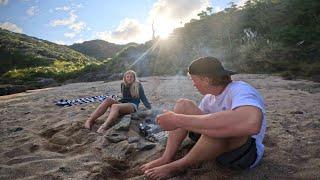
{"points": [[98, 49], [280, 37], [18, 51], [24, 59], [277, 37]]}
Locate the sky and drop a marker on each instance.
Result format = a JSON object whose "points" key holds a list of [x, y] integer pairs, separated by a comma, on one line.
{"points": [[117, 21]]}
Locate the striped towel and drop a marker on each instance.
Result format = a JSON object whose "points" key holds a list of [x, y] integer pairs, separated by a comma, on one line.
{"points": [[85, 100]]}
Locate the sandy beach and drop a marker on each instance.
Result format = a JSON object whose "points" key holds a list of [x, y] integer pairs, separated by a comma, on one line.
{"points": [[40, 140]]}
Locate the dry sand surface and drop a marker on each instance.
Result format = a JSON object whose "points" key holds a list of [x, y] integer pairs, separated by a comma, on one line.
{"points": [[40, 140]]}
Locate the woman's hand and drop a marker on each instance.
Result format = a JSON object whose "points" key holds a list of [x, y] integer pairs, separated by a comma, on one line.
{"points": [[166, 120], [102, 129]]}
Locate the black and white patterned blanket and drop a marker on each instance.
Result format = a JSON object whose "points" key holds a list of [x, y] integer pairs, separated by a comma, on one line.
{"points": [[85, 100]]}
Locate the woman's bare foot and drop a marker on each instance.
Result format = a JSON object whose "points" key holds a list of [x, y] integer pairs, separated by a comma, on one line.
{"points": [[102, 129], [88, 124], [162, 172], [155, 163]]}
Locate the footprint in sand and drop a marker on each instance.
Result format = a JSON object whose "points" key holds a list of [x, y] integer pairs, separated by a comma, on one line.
{"points": [[58, 143], [56, 148], [78, 133], [26, 159], [66, 138], [61, 140], [22, 150], [48, 133]]}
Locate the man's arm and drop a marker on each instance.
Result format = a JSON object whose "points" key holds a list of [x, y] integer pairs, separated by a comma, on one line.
{"points": [[242, 121]]}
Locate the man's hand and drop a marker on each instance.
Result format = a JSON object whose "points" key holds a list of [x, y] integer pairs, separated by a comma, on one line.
{"points": [[166, 120]]}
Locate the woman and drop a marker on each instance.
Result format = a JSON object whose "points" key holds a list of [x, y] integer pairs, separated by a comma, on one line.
{"points": [[132, 92]]}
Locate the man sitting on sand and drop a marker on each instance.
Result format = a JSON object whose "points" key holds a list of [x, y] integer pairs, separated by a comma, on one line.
{"points": [[228, 126]]}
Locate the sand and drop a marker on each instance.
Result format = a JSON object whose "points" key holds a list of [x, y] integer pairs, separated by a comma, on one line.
{"points": [[40, 140]]}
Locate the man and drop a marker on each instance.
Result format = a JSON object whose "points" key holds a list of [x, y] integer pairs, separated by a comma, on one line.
{"points": [[228, 126]]}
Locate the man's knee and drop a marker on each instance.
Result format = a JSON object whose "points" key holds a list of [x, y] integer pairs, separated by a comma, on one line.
{"points": [[185, 106], [185, 103]]}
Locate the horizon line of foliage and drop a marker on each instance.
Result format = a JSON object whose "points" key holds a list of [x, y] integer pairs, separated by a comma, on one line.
{"points": [[60, 71], [263, 36], [26, 58], [272, 36]]}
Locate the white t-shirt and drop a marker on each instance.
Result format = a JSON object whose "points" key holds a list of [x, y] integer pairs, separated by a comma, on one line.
{"points": [[236, 94]]}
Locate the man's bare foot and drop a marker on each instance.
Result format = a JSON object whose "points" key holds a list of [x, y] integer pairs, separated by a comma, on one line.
{"points": [[162, 172], [155, 163], [102, 129], [88, 124]]}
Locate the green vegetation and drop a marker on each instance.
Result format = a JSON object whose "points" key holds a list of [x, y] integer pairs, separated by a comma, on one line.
{"points": [[24, 58], [263, 36], [59, 70], [98, 49]]}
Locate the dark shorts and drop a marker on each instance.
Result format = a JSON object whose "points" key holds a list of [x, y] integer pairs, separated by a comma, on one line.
{"points": [[238, 159], [135, 107]]}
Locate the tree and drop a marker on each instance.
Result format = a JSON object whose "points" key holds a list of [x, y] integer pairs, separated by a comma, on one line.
{"points": [[202, 14], [209, 10]]}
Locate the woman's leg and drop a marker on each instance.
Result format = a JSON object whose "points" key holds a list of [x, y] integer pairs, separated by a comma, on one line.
{"points": [[175, 138], [102, 108], [115, 111]]}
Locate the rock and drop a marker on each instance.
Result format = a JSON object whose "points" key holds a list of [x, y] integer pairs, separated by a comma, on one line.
{"points": [[124, 124], [133, 139], [11, 89], [117, 155], [143, 146], [134, 116], [116, 137], [142, 114], [160, 137]]}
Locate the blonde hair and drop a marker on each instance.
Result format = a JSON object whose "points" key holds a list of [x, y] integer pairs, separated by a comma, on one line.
{"points": [[134, 87]]}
